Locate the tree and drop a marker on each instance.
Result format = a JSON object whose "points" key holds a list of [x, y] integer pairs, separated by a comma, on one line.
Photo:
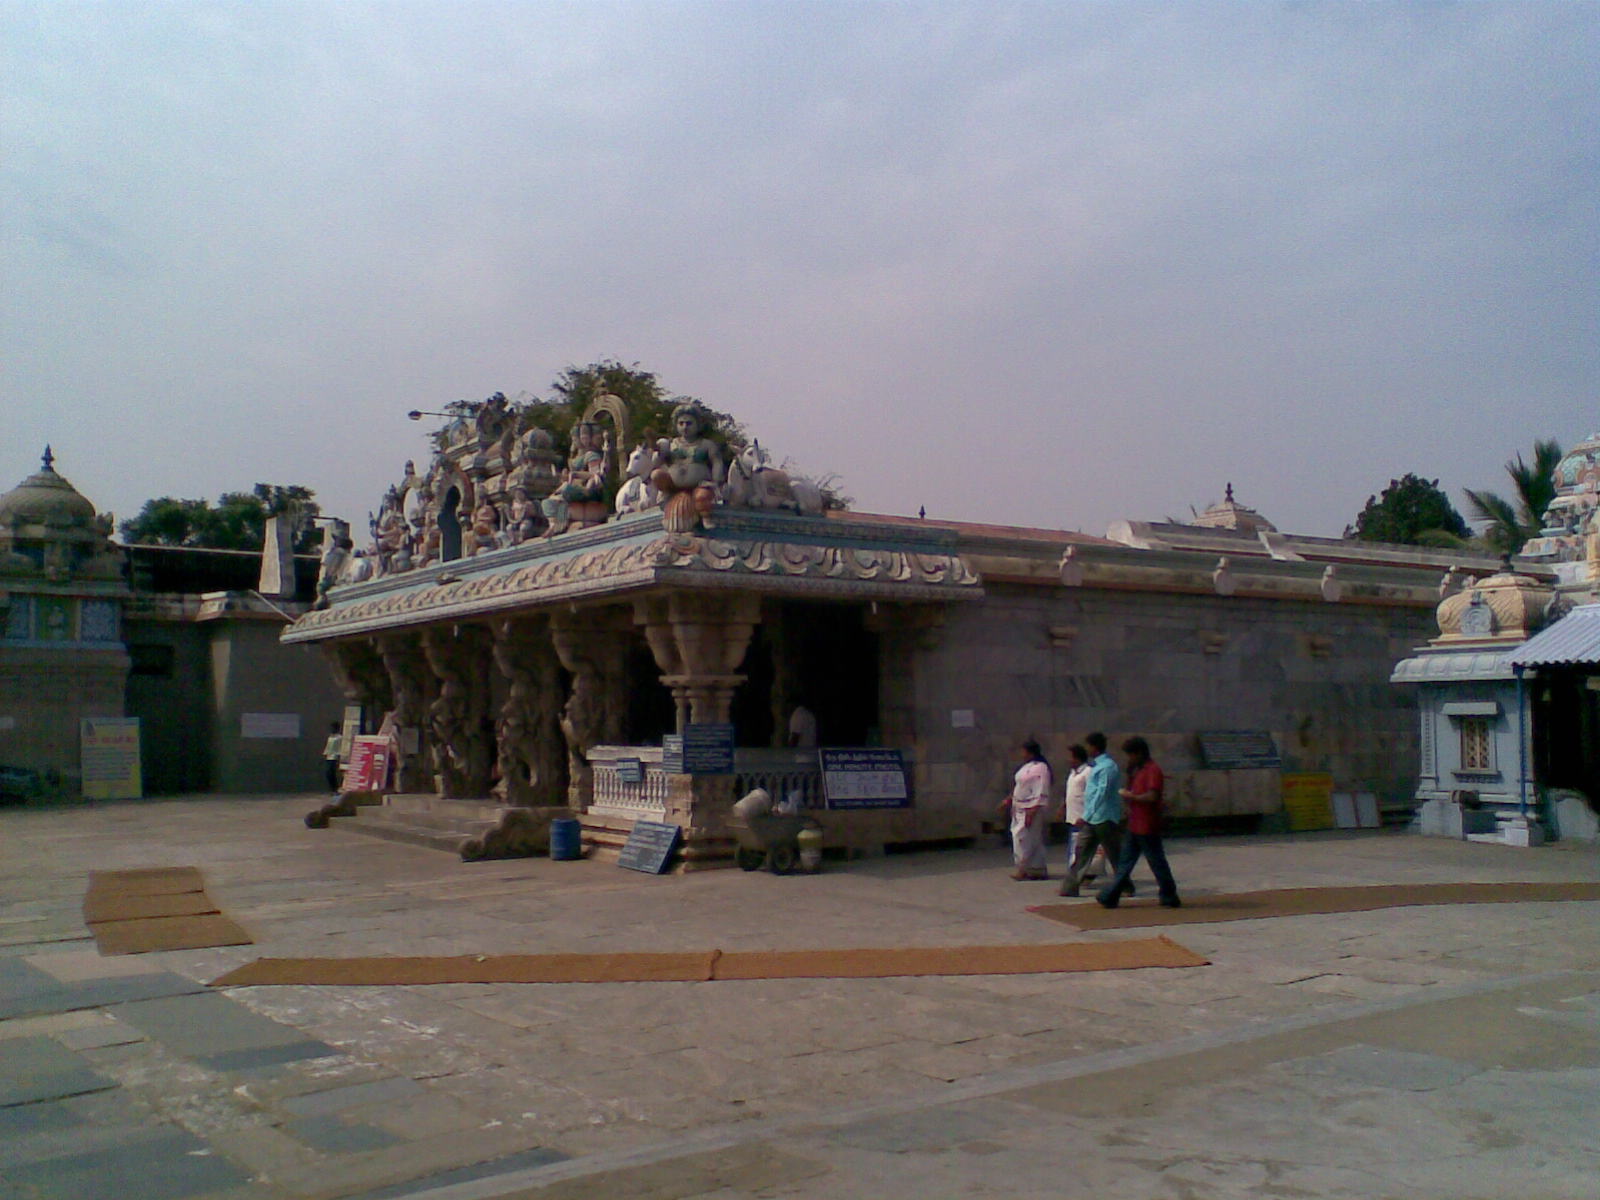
{"points": [[1510, 523], [238, 522], [649, 404], [1412, 511]]}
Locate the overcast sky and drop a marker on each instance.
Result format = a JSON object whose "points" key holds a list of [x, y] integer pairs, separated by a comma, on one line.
{"points": [[1042, 264]]}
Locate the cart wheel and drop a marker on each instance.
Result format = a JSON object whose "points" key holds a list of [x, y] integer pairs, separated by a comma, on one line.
{"points": [[748, 860], [781, 858]]}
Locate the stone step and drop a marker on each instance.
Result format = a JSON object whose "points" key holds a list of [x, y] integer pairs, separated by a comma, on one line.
{"points": [[396, 831], [430, 809]]}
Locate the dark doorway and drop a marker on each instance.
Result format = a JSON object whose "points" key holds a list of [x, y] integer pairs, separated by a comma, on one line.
{"points": [[450, 526], [1566, 732], [651, 712], [831, 660]]}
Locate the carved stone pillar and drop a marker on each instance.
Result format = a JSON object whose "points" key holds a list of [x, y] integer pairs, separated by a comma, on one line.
{"points": [[532, 751], [358, 668], [593, 645], [698, 640], [458, 718], [413, 689]]}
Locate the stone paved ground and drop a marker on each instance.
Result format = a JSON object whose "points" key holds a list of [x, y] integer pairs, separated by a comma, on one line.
{"points": [[1448, 1051]]}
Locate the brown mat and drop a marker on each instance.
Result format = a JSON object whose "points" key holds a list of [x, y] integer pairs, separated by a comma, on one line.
{"points": [[115, 906], [168, 933], [954, 960], [691, 967], [1296, 902], [701, 966], [146, 881], [155, 908]]}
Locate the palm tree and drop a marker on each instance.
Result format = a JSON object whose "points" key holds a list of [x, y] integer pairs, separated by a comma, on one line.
{"points": [[1510, 523]]}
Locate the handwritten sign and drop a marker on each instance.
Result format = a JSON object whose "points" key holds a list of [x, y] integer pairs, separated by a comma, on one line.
{"points": [[649, 846], [1308, 800], [868, 777], [111, 765]]}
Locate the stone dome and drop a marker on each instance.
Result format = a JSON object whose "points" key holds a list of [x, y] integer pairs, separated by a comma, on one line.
{"points": [[1504, 607], [47, 501]]}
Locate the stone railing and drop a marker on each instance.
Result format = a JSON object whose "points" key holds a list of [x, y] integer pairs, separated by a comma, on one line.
{"points": [[780, 772], [612, 795]]}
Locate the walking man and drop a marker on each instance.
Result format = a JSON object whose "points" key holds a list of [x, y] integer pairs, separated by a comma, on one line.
{"points": [[1143, 795], [1102, 817]]}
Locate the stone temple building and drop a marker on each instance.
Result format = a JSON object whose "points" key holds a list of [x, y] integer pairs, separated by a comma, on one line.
{"points": [[182, 640], [532, 649]]}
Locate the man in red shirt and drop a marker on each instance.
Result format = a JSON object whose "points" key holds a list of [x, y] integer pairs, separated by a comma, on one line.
{"points": [[1143, 798]]}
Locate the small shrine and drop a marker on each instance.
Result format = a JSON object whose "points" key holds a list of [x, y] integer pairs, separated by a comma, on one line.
{"points": [[1476, 776], [62, 658]]}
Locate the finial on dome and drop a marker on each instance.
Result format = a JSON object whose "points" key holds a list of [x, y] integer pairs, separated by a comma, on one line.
{"points": [[48, 458], [1228, 496]]}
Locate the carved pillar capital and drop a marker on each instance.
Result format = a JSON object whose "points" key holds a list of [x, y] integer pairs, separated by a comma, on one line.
{"points": [[699, 640]]}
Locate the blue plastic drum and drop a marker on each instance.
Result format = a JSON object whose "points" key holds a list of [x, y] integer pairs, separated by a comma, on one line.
{"points": [[566, 839]]}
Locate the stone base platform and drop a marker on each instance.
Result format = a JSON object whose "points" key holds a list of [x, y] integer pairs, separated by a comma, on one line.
{"points": [[604, 835], [473, 829]]}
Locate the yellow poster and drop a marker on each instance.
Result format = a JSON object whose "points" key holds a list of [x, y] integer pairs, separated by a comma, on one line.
{"points": [[1308, 800], [111, 765]]}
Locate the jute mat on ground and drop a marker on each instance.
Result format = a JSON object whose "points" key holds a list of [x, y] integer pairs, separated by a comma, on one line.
{"points": [[155, 908], [704, 965], [1297, 902]]}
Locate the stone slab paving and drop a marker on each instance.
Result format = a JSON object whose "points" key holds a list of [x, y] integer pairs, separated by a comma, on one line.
{"points": [[1005, 1085]]}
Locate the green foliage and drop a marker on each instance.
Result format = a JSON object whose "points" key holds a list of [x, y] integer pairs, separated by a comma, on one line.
{"points": [[1412, 511], [238, 522], [1510, 523], [649, 404]]}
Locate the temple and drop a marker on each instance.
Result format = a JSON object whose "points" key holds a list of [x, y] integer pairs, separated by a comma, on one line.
{"points": [[538, 629]]}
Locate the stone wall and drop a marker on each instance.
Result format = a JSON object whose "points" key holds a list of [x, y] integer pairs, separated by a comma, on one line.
{"points": [[1059, 662], [44, 693]]}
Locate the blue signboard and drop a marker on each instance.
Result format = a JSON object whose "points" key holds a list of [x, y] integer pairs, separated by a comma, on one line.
{"points": [[708, 749], [865, 777], [672, 754]]}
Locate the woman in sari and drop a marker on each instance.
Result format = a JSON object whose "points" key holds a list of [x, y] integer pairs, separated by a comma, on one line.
{"points": [[1029, 802]]}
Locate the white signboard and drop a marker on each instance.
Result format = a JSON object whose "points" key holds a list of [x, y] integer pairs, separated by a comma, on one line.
{"points": [[269, 725]]}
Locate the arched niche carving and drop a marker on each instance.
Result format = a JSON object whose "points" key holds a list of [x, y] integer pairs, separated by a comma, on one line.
{"points": [[621, 443]]}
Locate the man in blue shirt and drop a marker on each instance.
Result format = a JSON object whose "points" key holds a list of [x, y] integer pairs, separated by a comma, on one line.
{"points": [[1102, 813]]}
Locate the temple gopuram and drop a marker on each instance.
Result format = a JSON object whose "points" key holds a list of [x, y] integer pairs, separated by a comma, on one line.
{"points": [[622, 628]]}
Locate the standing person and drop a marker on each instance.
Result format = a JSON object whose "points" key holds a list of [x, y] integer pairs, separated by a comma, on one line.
{"points": [[802, 728], [1030, 802], [1143, 795], [332, 751], [1077, 782], [1102, 816]]}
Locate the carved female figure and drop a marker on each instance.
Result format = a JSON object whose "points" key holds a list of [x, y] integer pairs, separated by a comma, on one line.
{"points": [[693, 470]]}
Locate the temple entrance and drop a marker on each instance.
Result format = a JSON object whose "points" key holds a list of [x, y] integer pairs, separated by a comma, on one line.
{"points": [[1566, 732], [825, 657]]}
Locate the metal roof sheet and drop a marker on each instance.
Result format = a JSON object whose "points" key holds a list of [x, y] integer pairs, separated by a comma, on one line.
{"points": [[1572, 641]]}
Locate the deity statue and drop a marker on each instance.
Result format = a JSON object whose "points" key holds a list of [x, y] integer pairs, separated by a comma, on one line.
{"points": [[693, 470], [578, 500], [523, 517], [485, 527]]}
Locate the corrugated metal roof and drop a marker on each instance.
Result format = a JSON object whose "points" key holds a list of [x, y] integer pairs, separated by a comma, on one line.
{"points": [[1572, 641]]}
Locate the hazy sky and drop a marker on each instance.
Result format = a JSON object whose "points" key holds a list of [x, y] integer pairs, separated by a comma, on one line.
{"points": [[1043, 264]]}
